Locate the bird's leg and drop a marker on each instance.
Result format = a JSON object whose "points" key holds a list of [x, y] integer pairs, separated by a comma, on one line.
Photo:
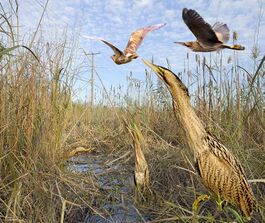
{"points": [[234, 47], [238, 47]]}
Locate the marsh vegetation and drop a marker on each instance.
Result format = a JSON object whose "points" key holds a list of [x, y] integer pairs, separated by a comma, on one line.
{"points": [[40, 122]]}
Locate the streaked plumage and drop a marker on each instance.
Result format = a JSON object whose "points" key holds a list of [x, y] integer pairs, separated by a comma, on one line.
{"points": [[133, 44], [220, 171], [209, 38], [141, 171]]}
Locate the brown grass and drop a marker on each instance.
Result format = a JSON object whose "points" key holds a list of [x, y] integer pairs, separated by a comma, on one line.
{"points": [[39, 122]]}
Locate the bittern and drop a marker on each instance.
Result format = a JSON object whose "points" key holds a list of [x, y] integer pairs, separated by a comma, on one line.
{"points": [[209, 38], [141, 171], [133, 44], [219, 170]]}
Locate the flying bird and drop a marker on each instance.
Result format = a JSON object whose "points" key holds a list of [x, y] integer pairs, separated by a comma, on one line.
{"points": [[133, 44], [209, 38], [218, 168]]}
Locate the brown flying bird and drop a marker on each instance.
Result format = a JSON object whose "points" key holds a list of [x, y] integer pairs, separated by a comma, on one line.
{"points": [[220, 171], [133, 44], [209, 38]]}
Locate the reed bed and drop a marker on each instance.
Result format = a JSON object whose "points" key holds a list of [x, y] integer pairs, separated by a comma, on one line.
{"points": [[40, 121]]}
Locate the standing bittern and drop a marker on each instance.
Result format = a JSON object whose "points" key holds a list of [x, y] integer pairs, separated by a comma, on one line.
{"points": [[133, 44], [141, 170], [209, 38], [220, 171]]}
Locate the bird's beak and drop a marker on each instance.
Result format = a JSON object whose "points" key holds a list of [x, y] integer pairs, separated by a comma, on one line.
{"points": [[154, 68], [170, 79], [181, 43]]}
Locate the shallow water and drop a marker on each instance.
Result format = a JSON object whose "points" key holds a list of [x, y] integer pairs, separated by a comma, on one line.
{"points": [[117, 183]]}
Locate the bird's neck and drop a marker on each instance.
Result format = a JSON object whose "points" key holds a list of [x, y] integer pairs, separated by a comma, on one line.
{"points": [[192, 125]]}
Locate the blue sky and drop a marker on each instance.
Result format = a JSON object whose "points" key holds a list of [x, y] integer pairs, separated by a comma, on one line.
{"points": [[115, 20]]}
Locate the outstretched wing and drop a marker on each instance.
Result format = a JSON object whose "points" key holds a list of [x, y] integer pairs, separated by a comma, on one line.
{"points": [[114, 48], [201, 29], [137, 37], [222, 31]]}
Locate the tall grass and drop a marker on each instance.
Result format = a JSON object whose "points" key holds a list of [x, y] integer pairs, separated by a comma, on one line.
{"points": [[230, 101], [39, 121], [35, 104]]}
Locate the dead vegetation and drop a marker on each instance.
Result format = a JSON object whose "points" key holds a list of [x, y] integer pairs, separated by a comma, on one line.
{"points": [[39, 122]]}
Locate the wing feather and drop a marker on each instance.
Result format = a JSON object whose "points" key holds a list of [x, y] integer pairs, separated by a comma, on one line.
{"points": [[222, 31], [137, 37], [201, 29], [114, 48]]}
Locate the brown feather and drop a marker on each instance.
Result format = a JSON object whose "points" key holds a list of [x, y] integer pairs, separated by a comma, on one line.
{"points": [[134, 42], [201, 29], [137, 37], [220, 171], [114, 48], [222, 31]]}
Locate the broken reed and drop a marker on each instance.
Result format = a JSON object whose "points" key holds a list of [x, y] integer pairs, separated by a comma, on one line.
{"points": [[36, 110], [35, 107]]}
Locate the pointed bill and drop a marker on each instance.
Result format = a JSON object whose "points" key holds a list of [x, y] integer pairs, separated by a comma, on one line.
{"points": [[168, 77], [154, 67]]}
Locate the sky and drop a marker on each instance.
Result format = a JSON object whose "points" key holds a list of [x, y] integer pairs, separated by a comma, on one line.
{"points": [[115, 20]]}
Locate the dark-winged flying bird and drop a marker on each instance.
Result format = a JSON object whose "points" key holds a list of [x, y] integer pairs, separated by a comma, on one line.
{"points": [[209, 38]]}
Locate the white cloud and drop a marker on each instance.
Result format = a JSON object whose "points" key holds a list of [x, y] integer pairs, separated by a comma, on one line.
{"points": [[116, 3], [143, 3], [116, 19]]}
